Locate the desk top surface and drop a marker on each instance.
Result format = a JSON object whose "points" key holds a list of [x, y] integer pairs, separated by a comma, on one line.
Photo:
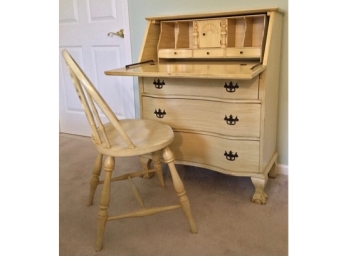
{"points": [[232, 70], [217, 14]]}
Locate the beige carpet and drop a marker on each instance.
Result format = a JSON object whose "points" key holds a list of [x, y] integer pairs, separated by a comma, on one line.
{"points": [[227, 222]]}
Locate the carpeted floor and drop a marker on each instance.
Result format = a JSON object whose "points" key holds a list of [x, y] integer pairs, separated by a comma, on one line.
{"points": [[228, 222]]}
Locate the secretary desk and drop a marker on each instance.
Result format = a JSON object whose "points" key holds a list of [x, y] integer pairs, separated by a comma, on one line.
{"points": [[214, 78]]}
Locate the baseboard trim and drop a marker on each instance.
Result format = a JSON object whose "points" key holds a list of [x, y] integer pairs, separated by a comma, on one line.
{"points": [[282, 169]]}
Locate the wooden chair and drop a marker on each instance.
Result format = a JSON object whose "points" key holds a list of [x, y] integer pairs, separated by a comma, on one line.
{"points": [[119, 138]]}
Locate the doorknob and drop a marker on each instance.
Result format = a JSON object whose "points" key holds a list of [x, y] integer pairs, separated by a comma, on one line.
{"points": [[118, 33]]}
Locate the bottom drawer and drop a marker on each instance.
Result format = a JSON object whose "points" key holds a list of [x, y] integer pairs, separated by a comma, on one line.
{"points": [[230, 155]]}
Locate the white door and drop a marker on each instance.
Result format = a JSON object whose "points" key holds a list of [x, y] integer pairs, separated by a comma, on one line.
{"points": [[83, 30]]}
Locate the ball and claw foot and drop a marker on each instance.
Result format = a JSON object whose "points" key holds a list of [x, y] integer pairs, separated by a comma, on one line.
{"points": [[259, 198]]}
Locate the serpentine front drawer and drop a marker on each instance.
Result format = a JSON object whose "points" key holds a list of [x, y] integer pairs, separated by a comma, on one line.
{"points": [[217, 88], [224, 118], [232, 156]]}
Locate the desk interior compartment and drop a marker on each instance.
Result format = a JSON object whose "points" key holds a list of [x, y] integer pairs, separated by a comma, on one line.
{"points": [[246, 36], [175, 39], [235, 36]]}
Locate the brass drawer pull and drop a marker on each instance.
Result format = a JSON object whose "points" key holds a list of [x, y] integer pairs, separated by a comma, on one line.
{"points": [[230, 87], [119, 33], [158, 84], [230, 156], [230, 120], [159, 113]]}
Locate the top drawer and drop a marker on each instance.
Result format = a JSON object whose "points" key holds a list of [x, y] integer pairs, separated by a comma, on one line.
{"points": [[216, 88]]}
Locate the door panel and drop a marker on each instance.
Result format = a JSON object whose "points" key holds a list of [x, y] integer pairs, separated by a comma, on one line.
{"points": [[84, 28], [209, 33]]}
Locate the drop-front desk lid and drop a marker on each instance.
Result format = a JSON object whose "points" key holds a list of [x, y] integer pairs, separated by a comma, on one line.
{"points": [[232, 70]]}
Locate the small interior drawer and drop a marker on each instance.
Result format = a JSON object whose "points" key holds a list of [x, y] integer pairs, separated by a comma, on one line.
{"points": [[174, 53], [208, 53], [244, 52]]}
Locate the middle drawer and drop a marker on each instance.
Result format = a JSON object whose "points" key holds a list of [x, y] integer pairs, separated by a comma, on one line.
{"points": [[231, 119]]}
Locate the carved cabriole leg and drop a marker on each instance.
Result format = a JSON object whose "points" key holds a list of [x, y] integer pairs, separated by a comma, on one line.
{"points": [[95, 178], [179, 188], [109, 165], [146, 165], [156, 156], [260, 196]]}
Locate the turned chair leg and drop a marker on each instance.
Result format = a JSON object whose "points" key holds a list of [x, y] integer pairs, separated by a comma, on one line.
{"points": [[179, 188], [146, 165], [109, 166], [158, 166], [95, 178]]}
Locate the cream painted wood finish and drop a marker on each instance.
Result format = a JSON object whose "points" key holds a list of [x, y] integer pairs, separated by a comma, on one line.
{"points": [[215, 80], [201, 88], [119, 138], [205, 116], [199, 69], [188, 148]]}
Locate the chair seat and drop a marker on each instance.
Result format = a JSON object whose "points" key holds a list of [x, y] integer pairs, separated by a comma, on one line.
{"points": [[147, 136]]}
